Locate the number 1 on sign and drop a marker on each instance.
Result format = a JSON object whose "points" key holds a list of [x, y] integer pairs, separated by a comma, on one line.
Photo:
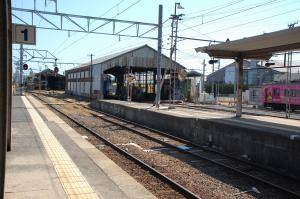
{"points": [[25, 32]]}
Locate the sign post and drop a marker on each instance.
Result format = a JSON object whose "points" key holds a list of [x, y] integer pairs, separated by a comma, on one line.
{"points": [[23, 34], [21, 70]]}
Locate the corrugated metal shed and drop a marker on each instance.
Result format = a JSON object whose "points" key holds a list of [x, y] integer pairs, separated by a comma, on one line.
{"points": [[142, 56]]}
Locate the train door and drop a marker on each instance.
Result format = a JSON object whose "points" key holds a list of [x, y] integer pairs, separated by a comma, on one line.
{"points": [[268, 95], [276, 94]]}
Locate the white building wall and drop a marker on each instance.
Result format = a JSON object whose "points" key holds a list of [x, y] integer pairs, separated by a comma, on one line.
{"points": [[96, 77], [87, 88]]}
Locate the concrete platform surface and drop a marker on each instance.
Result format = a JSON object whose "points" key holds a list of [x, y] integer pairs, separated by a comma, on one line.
{"points": [[286, 125], [49, 159], [269, 141]]}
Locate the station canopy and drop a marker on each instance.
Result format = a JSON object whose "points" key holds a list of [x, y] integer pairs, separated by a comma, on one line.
{"points": [[257, 47]]}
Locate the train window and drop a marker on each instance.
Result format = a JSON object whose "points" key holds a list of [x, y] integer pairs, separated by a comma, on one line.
{"points": [[297, 93], [287, 93], [276, 92]]}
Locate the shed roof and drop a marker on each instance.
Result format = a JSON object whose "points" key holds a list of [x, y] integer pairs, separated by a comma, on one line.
{"points": [[121, 53], [257, 47]]}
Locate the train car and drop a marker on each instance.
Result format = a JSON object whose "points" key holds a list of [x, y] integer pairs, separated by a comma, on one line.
{"points": [[109, 86], [278, 95]]}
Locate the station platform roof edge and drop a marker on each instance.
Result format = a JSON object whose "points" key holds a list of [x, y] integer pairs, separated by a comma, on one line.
{"points": [[256, 47]]}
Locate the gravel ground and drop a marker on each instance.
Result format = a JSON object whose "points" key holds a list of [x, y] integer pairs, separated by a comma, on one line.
{"points": [[201, 177]]}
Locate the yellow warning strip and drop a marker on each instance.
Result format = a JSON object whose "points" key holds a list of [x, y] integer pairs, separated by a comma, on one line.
{"points": [[72, 180]]}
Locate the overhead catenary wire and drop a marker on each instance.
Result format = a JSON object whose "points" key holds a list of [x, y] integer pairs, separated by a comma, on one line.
{"points": [[216, 9], [259, 12], [136, 2], [229, 15], [211, 8], [249, 22], [136, 44], [91, 23]]}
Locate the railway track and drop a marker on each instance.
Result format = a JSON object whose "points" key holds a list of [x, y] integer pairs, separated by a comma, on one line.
{"points": [[197, 152], [187, 193], [276, 114]]}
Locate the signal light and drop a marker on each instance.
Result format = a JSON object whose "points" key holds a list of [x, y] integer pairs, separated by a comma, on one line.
{"points": [[212, 61], [25, 66], [56, 69]]}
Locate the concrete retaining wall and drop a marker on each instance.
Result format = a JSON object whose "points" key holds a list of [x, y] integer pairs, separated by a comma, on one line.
{"points": [[266, 146]]}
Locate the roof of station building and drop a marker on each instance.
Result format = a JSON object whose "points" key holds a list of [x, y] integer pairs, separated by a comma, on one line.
{"points": [[257, 47]]}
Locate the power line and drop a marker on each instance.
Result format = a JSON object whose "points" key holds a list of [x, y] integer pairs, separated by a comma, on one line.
{"points": [[216, 9], [197, 31], [106, 22], [272, 8], [136, 44], [229, 15], [242, 24], [91, 23]]}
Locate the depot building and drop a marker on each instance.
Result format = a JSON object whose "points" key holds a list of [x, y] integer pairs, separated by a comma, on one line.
{"points": [[131, 73]]}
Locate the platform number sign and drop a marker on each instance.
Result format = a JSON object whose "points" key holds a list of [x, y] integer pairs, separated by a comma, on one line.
{"points": [[24, 34]]}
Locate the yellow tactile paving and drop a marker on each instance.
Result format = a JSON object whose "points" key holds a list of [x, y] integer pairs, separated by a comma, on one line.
{"points": [[72, 180]]}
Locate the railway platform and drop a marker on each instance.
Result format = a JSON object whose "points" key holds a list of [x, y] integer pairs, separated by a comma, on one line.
{"points": [[269, 141], [49, 159]]}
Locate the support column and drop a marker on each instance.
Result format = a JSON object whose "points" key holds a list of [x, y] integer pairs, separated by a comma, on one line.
{"points": [[159, 56], [240, 82], [21, 70], [5, 78], [9, 82]]}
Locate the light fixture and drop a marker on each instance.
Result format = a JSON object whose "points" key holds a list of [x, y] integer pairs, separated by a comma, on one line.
{"points": [[179, 6]]}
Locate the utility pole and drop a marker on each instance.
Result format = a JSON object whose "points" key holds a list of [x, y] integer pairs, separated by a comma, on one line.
{"points": [[203, 78], [175, 18], [159, 56], [21, 70], [91, 76], [213, 78], [288, 65]]}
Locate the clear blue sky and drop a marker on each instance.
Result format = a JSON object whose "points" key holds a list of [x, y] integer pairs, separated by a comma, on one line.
{"points": [[225, 22]]}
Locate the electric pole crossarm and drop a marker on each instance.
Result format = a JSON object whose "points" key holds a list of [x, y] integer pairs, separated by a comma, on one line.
{"points": [[124, 29], [197, 39], [74, 24], [82, 16], [38, 54], [19, 18], [41, 16]]}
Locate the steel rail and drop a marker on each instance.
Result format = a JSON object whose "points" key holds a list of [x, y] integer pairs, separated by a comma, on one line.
{"points": [[268, 169], [233, 111], [184, 191], [201, 157], [188, 152]]}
